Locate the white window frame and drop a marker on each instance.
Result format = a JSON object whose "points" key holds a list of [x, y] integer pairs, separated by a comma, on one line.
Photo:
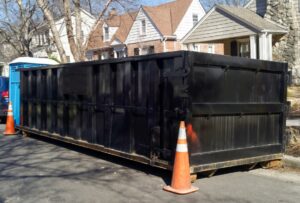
{"points": [[212, 48], [195, 14], [142, 33], [240, 43], [105, 37], [196, 47], [104, 55]]}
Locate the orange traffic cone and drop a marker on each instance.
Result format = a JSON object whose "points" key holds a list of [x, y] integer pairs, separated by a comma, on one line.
{"points": [[181, 180], [10, 125]]}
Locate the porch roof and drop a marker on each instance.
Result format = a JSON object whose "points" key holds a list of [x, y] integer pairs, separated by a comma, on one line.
{"points": [[252, 19], [223, 22]]}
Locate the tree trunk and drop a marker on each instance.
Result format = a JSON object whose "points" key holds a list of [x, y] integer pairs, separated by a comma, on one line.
{"points": [[100, 16], [69, 28], [44, 7], [79, 37]]}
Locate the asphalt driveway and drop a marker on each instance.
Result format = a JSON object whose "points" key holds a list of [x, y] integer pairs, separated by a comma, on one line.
{"points": [[33, 170]]}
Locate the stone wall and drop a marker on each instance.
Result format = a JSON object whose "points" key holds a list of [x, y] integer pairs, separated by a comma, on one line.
{"points": [[286, 47]]}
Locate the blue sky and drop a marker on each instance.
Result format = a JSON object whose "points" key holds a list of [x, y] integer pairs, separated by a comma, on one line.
{"points": [[205, 3], [153, 2]]}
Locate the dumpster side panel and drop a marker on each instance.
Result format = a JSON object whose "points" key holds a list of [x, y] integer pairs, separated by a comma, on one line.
{"points": [[234, 107], [126, 106], [237, 108]]}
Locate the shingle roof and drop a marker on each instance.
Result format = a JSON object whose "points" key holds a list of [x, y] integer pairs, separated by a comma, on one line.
{"points": [[167, 16], [252, 19], [123, 22]]}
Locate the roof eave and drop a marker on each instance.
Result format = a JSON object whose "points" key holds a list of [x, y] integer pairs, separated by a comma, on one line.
{"points": [[275, 31], [258, 29], [248, 4], [151, 20], [198, 24]]}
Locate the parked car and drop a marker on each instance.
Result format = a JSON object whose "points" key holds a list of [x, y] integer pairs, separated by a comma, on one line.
{"points": [[4, 97]]}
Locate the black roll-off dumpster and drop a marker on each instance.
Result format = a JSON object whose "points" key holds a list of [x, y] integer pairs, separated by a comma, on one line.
{"points": [[234, 108]]}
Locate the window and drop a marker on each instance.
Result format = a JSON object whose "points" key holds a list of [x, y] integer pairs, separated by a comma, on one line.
{"points": [[143, 27], [195, 19], [211, 49], [106, 33], [120, 54], [196, 47], [148, 50], [151, 50], [104, 55], [136, 51], [244, 49], [89, 56], [68, 59]]}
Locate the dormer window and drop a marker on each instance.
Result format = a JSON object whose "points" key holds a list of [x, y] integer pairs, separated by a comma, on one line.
{"points": [[106, 33], [195, 19], [143, 27]]}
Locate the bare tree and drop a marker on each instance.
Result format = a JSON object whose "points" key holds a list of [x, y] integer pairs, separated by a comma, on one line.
{"points": [[100, 17], [78, 30], [49, 17], [78, 45], [125, 5], [70, 30], [18, 22]]}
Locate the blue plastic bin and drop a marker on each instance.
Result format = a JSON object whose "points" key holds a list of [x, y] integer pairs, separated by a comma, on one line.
{"points": [[14, 79]]}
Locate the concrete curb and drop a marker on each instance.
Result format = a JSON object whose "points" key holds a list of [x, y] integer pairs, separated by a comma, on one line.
{"points": [[291, 162]]}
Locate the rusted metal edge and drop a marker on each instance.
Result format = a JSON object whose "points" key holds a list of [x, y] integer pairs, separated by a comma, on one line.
{"points": [[134, 157], [238, 162], [144, 160]]}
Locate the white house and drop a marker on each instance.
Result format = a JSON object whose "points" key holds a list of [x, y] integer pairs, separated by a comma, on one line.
{"points": [[3, 69], [44, 39], [243, 32], [152, 29], [160, 28]]}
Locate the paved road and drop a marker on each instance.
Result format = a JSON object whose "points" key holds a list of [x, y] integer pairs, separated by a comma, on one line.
{"points": [[32, 170]]}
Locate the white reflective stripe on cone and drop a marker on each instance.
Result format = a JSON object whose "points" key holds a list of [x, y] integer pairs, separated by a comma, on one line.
{"points": [[9, 113], [181, 148], [182, 134], [10, 107]]}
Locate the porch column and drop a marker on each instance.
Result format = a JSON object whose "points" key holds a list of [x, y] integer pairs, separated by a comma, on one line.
{"points": [[270, 47], [253, 47], [263, 47]]}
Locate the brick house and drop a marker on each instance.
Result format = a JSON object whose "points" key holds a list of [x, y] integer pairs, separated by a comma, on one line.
{"points": [[160, 28], [152, 29], [107, 41]]}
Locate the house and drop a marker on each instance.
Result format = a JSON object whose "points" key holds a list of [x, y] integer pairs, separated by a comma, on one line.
{"points": [[242, 31], [152, 29], [2, 68], [7, 53], [160, 28], [108, 39], [43, 44], [262, 29]]}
